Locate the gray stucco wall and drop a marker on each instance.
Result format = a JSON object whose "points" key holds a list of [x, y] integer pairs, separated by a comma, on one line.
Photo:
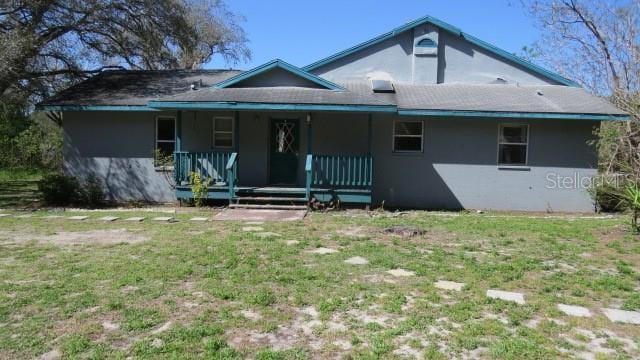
{"points": [[457, 60], [118, 148], [458, 168]]}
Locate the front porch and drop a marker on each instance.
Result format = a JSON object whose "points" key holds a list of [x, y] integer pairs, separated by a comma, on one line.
{"points": [[343, 178]]}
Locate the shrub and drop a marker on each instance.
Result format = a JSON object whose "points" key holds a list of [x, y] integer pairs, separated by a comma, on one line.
{"points": [[631, 198], [92, 192], [607, 197], [199, 188], [62, 190], [59, 189]]}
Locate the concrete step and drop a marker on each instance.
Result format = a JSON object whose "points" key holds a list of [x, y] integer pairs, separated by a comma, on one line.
{"points": [[269, 198], [268, 206]]}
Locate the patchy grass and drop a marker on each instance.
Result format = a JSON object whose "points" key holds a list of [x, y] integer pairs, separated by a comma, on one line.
{"points": [[211, 290]]}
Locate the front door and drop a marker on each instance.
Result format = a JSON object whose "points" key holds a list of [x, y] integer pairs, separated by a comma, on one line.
{"points": [[283, 167]]}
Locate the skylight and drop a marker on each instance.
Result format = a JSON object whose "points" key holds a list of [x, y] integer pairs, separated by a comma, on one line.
{"points": [[381, 86]]}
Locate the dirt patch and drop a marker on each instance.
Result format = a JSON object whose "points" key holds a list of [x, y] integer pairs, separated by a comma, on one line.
{"points": [[94, 237], [404, 231]]}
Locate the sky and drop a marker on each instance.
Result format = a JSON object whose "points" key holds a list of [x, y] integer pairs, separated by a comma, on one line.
{"points": [[301, 32]]}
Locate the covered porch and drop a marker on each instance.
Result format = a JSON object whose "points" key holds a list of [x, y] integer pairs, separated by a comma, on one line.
{"points": [[284, 159]]}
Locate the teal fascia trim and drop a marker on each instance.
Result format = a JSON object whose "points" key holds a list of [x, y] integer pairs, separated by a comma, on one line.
{"points": [[266, 106], [94, 108], [455, 31], [283, 65], [514, 115]]}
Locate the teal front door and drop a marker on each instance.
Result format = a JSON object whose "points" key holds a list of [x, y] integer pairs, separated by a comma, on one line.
{"points": [[283, 160]]}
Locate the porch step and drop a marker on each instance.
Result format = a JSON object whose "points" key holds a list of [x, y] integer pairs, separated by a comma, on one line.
{"points": [[267, 206], [269, 198]]}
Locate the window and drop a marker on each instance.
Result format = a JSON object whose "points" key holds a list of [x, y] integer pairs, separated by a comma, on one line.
{"points": [[513, 143], [222, 132], [165, 137], [407, 136]]}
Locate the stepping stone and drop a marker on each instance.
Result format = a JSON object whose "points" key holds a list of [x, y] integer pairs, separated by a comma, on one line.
{"points": [[515, 297], [357, 260], [623, 316], [254, 223], [573, 310], [163, 219], [166, 326], [108, 218], [449, 285], [49, 217], [4, 215], [267, 234], [292, 242], [252, 228], [197, 218], [135, 218], [51, 355], [24, 216], [322, 251], [156, 343], [401, 272], [78, 217], [109, 326]]}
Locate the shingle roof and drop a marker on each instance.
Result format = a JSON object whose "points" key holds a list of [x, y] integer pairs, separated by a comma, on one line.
{"points": [[139, 87], [276, 95], [494, 98], [135, 87]]}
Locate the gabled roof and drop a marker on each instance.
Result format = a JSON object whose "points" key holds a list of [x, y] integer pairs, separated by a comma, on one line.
{"points": [[453, 30], [273, 64]]}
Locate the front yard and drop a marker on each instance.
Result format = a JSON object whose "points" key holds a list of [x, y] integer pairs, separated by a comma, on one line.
{"points": [[337, 284]]}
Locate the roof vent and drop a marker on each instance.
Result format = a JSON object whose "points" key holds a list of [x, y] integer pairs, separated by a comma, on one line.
{"points": [[539, 92], [196, 84], [382, 86], [499, 80]]}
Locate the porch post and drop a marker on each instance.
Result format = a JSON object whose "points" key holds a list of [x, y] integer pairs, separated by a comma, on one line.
{"points": [[369, 134], [236, 131], [309, 134], [178, 145]]}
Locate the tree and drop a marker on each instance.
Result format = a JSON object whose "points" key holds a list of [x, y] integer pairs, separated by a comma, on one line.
{"points": [[50, 44], [597, 43]]}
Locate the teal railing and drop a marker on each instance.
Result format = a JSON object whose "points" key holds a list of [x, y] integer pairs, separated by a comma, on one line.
{"points": [[210, 165], [232, 174], [308, 169], [342, 170]]}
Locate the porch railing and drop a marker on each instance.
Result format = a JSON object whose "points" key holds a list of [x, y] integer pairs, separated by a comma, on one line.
{"points": [[211, 165], [342, 170], [232, 174]]}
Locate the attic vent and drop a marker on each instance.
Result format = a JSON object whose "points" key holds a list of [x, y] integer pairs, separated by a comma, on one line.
{"points": [[382, 86], [427, 43]]}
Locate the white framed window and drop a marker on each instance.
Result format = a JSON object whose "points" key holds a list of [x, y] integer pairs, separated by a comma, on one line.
{"points": [[513, 144], [223, 129], [165, 136], [408, 136]]}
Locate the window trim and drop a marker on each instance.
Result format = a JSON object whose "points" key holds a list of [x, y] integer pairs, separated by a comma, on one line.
{"points": [[526, 144], [175, 129], [393, 137], [214, 132]]}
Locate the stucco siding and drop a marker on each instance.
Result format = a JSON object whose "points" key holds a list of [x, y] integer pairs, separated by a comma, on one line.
{"points": [[117, 147], [458, 168], [457, 60]]}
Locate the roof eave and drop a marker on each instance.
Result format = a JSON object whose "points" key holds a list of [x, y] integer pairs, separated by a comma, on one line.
{"points": [[513, 115]]}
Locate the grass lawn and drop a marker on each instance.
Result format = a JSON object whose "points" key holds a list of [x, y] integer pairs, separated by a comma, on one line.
{"points": [[19, 188], [89, 289]]}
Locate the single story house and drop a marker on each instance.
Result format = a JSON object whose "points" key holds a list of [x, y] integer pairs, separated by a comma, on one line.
{"points": [[424, 116]]}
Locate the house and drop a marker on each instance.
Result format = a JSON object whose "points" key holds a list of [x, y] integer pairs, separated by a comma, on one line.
{"points": [[424, 116]]}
